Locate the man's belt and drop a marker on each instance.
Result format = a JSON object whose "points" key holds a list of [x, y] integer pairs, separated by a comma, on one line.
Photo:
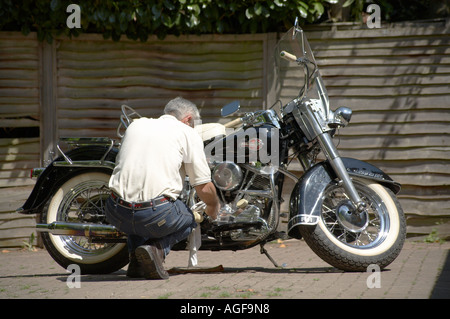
{"points": [[158, 201]]}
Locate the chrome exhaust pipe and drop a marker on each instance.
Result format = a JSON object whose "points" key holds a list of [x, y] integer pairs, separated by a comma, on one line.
{"points": [[78, 229]]}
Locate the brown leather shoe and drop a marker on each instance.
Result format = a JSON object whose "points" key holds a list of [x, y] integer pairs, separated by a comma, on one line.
{"points": [[151, 258], [134, 269]]}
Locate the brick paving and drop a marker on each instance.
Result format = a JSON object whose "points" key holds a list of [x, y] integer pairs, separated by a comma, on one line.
{"points": [[420, 272]]}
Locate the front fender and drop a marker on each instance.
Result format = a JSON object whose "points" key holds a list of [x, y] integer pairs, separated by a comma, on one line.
{"points": [[54, 175], [306, 197]]}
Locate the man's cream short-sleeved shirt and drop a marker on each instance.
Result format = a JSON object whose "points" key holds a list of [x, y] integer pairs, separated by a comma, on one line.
{"points": [[154, 158]]}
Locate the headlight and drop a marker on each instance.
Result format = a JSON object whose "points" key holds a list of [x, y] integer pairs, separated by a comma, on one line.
{"points": [[342, 116]]}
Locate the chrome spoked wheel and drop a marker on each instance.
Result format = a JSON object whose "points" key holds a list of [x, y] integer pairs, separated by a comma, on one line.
{"points": [[84, 204], [81, 199], [352, 241]]}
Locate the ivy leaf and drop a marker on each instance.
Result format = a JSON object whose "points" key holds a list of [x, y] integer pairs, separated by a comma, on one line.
{"points": [[193, 21], [140, 12], [265, 12], [123, 21], [156, 12], [347, 3], [194, 8], [122, 16], [302, 4], [169, 5], [258, 8], [167, 20], [318, 7], [249, 12], [102, 15], [303, 12], [220, 26], [54, 5]]}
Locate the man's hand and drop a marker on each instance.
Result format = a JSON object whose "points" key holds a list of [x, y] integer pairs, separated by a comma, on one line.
{"points": [[207, 193]]}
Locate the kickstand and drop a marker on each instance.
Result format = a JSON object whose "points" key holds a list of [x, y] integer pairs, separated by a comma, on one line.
{"points": [[265, 252]]}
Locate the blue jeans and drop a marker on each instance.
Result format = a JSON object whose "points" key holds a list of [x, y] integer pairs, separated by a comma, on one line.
{"points": [[166, 224]]}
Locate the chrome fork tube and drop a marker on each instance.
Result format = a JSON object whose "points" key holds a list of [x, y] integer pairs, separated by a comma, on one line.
{"points": [[335, 160], [275, 217]]}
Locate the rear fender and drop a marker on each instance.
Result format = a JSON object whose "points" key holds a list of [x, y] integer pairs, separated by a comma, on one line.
{"points": [[59, 171], [307, 196]]}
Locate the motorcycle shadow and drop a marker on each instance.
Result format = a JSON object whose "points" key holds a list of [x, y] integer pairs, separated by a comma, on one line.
{"points": [[121, 274], [273, 270], [33, 276], [283, 270]]}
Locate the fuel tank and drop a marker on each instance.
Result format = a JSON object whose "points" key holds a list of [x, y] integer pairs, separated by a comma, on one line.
{"points": [[245, 145]]}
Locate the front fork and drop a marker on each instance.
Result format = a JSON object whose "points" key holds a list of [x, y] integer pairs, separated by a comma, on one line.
{"points": [[335, 160]]}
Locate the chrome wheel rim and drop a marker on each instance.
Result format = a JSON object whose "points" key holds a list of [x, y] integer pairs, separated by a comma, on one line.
{"points": [[85, 203], [371, 229]]}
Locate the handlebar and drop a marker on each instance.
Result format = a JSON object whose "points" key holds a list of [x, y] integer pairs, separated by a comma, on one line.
{"points": [[288, 56], [233, 123]]}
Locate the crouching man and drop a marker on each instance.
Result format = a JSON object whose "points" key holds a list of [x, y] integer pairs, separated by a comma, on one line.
{"points": [[154, 158]]}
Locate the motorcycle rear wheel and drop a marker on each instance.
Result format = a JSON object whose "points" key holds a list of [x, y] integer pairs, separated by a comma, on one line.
{"points": [[78, 196], [376, 239]]}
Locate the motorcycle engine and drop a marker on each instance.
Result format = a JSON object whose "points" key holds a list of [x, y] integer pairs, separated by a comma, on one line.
{"points": [[241, 205]]}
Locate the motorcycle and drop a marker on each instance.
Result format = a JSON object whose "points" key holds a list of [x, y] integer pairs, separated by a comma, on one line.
{"points": [[345, 209]]}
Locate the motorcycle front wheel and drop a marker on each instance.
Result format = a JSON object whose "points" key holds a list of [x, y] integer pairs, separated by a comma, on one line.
{"points": [[81, 199], [352, 242]]}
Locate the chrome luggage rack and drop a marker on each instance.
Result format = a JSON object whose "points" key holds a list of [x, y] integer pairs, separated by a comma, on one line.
{"points": [[125, 120], [86, 141]]}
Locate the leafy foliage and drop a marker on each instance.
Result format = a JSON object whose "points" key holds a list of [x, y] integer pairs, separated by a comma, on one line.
{"points": [[400, 10], [137, 19]]}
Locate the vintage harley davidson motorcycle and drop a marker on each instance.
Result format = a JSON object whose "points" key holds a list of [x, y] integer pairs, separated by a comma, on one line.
{"points": [[344, 209]]}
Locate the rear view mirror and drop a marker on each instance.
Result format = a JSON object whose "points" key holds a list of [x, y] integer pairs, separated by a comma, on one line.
{"points": [[230, 108]]}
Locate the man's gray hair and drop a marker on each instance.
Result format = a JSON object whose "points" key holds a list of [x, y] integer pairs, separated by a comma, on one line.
{"points": [[180, 108]]}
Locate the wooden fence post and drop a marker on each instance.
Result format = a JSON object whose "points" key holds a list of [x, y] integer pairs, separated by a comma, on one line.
{"points": [[48, 107], [271, 89]]}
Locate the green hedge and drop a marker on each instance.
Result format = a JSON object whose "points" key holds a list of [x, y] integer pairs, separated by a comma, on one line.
{"points": [[138, 19]]}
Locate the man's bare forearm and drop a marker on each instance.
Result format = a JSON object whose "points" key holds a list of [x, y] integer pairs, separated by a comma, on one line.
{"points": [[207, 193]]}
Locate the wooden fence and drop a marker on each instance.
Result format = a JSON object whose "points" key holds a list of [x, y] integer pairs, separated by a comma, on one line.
{"points": [[19, 108], [395, 79]]}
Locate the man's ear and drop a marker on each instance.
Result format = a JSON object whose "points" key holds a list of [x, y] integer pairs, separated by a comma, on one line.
{"points": [[187, 120]]}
